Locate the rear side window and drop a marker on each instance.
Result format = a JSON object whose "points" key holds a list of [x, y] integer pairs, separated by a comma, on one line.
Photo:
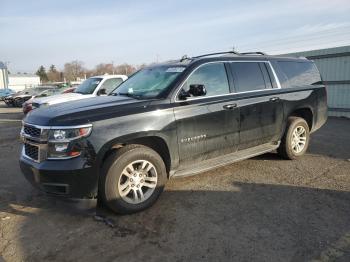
{"points": [[300, 73], [212, 76], [248, 76]]}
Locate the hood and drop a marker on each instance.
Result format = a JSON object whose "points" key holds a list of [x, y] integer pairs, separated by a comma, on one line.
{"points": [[85, 111], [55, 99], [21, 96]]}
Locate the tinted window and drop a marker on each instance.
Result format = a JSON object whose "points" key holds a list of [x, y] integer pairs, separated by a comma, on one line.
{"points": [[300, 73], [111, 84], [248, 76], [212, 76]]}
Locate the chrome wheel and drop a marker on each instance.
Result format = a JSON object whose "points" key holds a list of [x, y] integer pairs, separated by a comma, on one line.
{"points": [[137, 182], [298, 139]]}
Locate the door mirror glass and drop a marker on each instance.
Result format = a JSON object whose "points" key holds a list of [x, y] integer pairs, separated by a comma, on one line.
{"points": [[183, 95], [102, 91], [197, 90]]}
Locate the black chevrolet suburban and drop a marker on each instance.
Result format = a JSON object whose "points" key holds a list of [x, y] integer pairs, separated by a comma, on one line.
{"points": [[169, 120]]}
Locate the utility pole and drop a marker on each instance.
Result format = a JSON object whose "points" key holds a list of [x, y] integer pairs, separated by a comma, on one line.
{"points": [[6, 76], [112, 67]]}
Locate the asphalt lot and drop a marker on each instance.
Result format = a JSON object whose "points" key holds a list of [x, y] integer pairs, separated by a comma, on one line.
{"points": [[261, 209]]}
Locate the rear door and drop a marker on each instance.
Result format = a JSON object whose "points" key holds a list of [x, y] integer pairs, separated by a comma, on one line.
{"points": [[207, 126], [260, 108]]}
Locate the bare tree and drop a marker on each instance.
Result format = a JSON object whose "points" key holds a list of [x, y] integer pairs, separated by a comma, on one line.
{"points": [[74, 70], [125, 69], [102, 69]]}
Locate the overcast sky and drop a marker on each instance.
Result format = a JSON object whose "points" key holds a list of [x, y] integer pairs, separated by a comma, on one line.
{"points": [[54, 32]]}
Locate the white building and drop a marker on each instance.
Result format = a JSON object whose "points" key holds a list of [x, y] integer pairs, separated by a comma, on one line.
{"points": [[18, 82]]}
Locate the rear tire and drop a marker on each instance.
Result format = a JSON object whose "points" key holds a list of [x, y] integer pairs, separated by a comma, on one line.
{"points": [[296, 138], [132, 179]]}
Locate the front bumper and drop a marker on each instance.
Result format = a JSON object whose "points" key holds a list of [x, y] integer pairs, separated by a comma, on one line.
{"points": [[73, 180]]}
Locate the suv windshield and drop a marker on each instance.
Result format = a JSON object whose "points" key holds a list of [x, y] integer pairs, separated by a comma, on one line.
{"points": [[149, 82], [88, 86]]}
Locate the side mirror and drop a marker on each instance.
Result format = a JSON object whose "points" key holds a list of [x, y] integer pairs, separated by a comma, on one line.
{"points": [[183, 95], [197, 90], [102, 91]]}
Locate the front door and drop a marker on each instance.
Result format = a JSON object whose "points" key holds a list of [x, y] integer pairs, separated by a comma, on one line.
{"points": [[207, 126]]}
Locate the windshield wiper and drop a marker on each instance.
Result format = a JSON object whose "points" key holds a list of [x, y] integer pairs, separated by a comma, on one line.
{"points": [[128, 95]]}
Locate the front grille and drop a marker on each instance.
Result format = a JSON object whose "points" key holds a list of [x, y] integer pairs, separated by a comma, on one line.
{"points": [[32, 131], [31, 151]]}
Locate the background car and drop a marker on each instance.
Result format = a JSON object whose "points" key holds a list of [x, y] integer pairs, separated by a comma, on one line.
{"points": [[69, 89], [17, 99], [27, 105], [5, 92], [91, 87]]}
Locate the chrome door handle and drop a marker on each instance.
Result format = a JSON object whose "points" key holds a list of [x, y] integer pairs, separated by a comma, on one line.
{"points": [[230, 106], [274, 99]]}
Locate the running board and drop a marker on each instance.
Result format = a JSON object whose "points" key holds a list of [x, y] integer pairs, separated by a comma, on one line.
{"points": [[224, 160]]}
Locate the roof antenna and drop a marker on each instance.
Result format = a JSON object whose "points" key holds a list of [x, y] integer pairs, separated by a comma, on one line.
{"points": [[234, 48], [183, 58]]}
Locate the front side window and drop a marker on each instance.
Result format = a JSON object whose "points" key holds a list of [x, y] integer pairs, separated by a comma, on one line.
{"points": [[212, 76], [111, 84], [248, 76], [149, 82], [88, 86]]}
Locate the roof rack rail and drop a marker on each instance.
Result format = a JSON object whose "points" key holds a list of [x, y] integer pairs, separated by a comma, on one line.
{"points": [[219, 53], [185, 57], [253, 53]]}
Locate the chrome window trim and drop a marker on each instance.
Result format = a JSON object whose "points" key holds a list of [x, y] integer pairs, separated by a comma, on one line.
{"points": [[275, 75], [230, 93]]}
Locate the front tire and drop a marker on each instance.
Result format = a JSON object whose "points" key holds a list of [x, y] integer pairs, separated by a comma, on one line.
{"points": [[132, 179], [295, 140]]}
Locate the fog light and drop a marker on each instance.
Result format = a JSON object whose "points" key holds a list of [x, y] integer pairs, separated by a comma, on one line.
{"points": [[61, 147]]}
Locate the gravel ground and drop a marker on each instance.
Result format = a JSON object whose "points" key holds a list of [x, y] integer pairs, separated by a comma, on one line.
{"points": [[261, 209]]}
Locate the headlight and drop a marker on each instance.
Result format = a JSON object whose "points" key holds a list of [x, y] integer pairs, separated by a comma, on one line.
{"points": [[57, 135], [65, 142]]}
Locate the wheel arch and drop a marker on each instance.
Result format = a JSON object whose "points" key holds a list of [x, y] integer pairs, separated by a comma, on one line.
{"points": [[306, 113], [152, 140]]}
